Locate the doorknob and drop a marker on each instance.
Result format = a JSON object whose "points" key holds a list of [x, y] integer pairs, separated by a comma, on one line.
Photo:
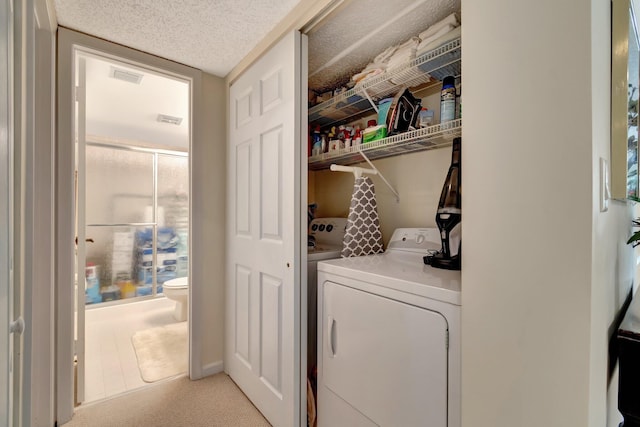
{"points": [[17, 326]]}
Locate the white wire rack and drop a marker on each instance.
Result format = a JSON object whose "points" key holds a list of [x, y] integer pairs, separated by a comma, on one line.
{"points": [[435, 64], [417, 140]]}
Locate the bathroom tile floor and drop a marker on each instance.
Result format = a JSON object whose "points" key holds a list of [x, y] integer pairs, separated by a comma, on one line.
{"points": [[111, 364]]}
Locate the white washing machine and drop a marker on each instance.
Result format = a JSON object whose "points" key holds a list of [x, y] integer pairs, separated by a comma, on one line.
{"points": [[328, 234], [389, 338]]}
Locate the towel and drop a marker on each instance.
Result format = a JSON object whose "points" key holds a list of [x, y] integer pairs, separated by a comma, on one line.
{"points": [[441, 32], [449, 20], [375, 67], [362, 235], [367, 74], [405, 53]]}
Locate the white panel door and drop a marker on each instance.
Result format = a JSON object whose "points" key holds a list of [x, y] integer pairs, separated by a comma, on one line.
{"points": [[263, 238], [386, 359]]}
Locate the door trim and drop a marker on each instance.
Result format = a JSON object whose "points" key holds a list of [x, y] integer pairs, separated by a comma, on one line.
{"points": [[33, 209], [305, 15], [302, 221], [7, 397], [69, 40]]}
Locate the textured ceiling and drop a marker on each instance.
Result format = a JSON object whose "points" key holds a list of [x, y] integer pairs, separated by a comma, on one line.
{"points": [[211, 35], [214, 36], [127, 112], [356, 33]]}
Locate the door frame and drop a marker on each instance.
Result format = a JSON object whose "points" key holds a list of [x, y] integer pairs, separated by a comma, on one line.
{"points": [[33, 209], [68, 42], [7, 397]]}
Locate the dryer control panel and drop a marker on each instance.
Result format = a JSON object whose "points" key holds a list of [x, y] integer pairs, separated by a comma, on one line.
{"points": [[420, 240]]}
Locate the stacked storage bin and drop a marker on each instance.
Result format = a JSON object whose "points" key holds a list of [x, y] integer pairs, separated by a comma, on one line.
{"points": [[122, 265], [167, 258], [92, 285], [177, 216]]}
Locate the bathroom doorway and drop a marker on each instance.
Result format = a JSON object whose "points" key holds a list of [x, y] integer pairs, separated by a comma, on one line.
{"points": [[132, 225]]}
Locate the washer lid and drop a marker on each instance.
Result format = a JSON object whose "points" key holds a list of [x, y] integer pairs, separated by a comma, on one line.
{"points": [[179, 283], [402, 271], [320, 252]]}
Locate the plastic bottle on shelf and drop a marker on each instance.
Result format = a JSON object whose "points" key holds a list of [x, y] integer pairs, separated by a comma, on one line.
{"points": [[316, 150], [348, 136], [448, 99], [316, 141], [357, 136], [425, 118], [340, 134]]}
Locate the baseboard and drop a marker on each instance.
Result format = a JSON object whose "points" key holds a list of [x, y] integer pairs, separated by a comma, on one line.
{"points": [[212, 368]]}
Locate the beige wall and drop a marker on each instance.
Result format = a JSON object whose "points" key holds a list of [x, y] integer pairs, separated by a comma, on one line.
{"points": [[208, 162], [540, 277]]}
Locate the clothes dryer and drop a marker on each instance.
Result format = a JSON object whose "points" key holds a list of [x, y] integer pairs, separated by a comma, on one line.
{"points": [[389, 338]]}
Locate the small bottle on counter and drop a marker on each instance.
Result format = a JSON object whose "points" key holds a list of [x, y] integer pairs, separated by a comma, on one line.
{"points": [[448, 99]]}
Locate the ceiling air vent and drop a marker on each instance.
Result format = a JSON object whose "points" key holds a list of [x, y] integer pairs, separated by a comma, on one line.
{"points": [[126, 75], [163, 118]]}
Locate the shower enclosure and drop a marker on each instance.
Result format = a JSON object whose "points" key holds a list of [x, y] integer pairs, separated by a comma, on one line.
{"points": [[136, 220]]}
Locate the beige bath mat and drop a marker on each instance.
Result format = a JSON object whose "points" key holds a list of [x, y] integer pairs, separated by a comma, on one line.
{"points": [[161, 352]]}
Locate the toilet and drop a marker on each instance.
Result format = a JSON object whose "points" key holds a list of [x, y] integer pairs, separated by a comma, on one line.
{"points": [[178, 290]]}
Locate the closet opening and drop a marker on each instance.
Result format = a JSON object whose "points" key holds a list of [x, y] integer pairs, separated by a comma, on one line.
{"points": [[375, 108]]}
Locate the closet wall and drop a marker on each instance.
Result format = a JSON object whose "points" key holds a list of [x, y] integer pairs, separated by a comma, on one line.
{"points": [[547, 270], [417, 177]]}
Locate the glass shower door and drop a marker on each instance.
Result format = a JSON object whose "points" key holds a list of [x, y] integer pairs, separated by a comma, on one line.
{"points": [[119, 209]]}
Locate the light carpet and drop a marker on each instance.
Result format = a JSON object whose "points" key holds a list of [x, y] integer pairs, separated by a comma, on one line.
{"points": [[162, 352], [213, 401]]}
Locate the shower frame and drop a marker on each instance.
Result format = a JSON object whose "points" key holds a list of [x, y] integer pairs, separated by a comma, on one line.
{"points": [[81, 256]]}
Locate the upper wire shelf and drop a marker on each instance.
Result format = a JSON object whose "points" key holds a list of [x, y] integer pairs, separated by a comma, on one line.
{"points": [[434, 64]]}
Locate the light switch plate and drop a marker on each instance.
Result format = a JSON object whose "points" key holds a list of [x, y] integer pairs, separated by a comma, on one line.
{"points": [[605, 190]]}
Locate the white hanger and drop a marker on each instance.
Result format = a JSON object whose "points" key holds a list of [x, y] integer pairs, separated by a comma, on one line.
{"points": [[358, 171]]}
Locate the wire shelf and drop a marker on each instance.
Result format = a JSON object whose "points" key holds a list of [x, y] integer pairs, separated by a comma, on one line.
{"points": [[434, 64], [427, 138]]}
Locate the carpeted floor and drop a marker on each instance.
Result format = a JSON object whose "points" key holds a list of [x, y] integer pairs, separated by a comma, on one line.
{"points": [[214, 401]]}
